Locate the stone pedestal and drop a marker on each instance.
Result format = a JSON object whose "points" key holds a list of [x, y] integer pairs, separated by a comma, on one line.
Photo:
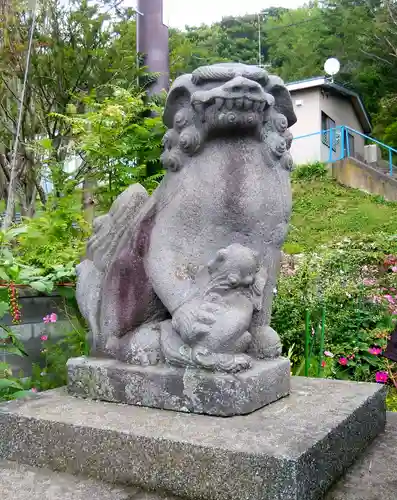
{"points": [[182, 389], [293, 449]]}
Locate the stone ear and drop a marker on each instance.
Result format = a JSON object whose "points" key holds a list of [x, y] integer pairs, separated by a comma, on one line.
{"points": [[283, 103], [221, 255], [178, 98]]}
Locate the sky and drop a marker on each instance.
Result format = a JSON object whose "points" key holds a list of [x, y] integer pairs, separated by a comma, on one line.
{"points": [[178, 13]]}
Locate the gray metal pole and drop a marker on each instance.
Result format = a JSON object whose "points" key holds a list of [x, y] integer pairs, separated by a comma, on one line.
{"points": [[153, 42], [259, 42], [137, 26]]}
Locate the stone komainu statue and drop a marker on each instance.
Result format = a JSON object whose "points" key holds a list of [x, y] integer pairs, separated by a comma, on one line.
{"points": [[187, 275]]}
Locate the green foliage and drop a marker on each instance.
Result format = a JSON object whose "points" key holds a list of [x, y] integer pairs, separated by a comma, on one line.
{"points": [[312, 171], [324, 211], [386, 122], [54, 241], [351, 280], [14, 270], [52, 372], [391, 400], [119, 138], [11, 387]]}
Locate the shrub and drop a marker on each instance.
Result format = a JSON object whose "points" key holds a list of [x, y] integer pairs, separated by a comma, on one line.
{"points": [[56, 239], [356, 281], [311, 171]]}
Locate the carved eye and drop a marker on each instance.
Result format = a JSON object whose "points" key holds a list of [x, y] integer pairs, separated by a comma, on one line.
{"points": [[248, 280], [233, 279]]}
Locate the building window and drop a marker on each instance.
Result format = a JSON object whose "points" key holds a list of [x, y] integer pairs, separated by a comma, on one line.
{"points": [[350, 138], [326, 124]]}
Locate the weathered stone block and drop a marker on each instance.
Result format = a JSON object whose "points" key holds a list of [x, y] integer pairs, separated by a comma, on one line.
{"points": [[181, 389], [293, 449]]}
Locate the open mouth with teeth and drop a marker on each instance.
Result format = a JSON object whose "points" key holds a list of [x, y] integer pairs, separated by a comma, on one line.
{"points": [[229, 104], [231, 112]]}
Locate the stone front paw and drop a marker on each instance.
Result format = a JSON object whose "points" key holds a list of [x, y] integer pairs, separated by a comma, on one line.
{"points": [[228, 363], [147, 358], [265, 343], [242, 362]]}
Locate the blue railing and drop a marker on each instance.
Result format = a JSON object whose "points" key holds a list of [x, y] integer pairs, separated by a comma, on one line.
{"points": [[338, 141]]}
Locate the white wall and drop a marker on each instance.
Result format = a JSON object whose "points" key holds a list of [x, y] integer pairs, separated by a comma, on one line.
{"points": [[341, 110], [307, 109], [308, 105]]}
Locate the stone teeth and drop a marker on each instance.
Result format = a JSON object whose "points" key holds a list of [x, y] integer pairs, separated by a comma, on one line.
{"points": [[219, 101], [247, 104], [262, 106], [239, 103], [256, 105], [199, 107], [229, 103]]}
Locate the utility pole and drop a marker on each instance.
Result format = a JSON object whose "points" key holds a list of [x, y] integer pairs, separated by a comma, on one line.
{"points": [[259, 42], [153, 42], [138, 48]]}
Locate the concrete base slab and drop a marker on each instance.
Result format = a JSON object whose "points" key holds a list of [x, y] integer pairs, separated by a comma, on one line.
{"points": [[293, 449], [21, 482], [180, 389], [374, 475]]}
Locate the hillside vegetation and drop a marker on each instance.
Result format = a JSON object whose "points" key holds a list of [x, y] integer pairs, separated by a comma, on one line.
{"points": [[324, 211]]}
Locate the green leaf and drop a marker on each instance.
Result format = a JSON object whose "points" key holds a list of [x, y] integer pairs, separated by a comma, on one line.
{"points": [[45, 143], [3, 275], [7, 255], [12, 349], [370, 359], [3, 308], [13, 233], [40, 286], [22, 394], [6, 383]]}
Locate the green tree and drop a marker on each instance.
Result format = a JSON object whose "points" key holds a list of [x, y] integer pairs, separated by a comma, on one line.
{"points": [[118, 141], [76, 47]]}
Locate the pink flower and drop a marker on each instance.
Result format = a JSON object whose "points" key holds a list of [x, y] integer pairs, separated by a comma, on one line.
{"points": [[394, 269], [50, 318], [44, 338], [369, 282], [375, 351], [328, 354], [376, 299], [390, 299], [343, 361], [323, 364], [33, 389], [381, 377]]}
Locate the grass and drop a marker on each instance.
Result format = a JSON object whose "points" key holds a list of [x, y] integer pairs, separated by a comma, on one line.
{"points": [[324, 211]]}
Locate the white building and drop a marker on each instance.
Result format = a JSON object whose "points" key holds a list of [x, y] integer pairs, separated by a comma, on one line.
{"points": [[322, 105]]}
